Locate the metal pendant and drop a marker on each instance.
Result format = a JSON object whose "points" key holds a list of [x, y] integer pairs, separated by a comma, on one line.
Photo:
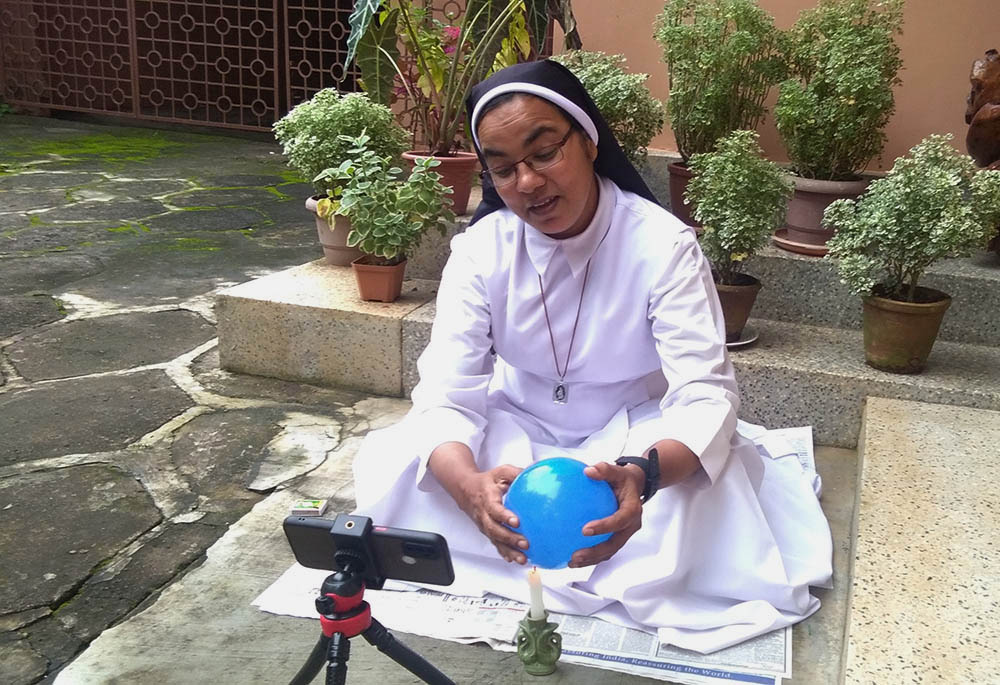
{"points": [[560, 393]]}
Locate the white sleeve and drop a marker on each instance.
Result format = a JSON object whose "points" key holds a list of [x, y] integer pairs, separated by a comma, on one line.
{"points": [[700, 405], [449, 401]]}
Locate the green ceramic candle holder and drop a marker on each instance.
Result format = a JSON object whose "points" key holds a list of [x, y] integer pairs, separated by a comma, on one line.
{"points": [[538, 644]]}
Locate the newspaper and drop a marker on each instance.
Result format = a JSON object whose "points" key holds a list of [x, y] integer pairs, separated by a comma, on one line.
{"points": [[585, 640], [786, 443]]}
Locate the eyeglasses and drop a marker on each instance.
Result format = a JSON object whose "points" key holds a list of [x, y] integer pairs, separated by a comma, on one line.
{"points": [[539, 160]]}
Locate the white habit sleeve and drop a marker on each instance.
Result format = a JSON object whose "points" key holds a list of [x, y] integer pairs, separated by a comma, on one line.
{"points": [[700, 405], [449, 401]]}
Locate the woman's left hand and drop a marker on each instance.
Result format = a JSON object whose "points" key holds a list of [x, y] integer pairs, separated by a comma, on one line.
{"points": [[627, 482]]}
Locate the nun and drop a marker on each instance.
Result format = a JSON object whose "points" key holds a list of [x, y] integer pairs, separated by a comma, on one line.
{"points": [[576, 317]]}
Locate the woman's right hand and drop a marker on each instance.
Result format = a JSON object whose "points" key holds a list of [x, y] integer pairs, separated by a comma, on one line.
{"points": [[481, 498]]}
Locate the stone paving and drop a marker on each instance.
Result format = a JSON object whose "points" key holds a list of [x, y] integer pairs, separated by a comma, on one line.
{"points": [[124, 452]]}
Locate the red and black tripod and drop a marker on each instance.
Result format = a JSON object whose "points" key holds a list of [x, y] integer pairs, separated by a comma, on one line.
{"points": [[344, 614]]}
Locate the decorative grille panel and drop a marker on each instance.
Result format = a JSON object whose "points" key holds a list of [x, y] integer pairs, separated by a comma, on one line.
{"points": [[69, 54], [316, 47], [213, 61]]}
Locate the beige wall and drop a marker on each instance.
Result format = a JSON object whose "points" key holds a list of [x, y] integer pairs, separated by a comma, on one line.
{"points": [[940, 40]]}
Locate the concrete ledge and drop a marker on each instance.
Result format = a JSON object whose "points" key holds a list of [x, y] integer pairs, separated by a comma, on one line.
{"points": [[308, 324], [797, 375], [807, 290], [925, 580]]}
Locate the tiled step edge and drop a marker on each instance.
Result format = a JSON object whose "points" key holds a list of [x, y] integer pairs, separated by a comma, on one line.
{"points": [[924, 581]]}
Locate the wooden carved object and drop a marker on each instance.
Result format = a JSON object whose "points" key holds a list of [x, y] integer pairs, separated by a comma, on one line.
{"points": [[983, 113]]}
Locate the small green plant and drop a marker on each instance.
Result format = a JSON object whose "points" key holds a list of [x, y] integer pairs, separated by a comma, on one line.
{"points": [[388, 216], [932, 204], [832, 112], [740, 198], [722, 56], [623, 99], [4, 108], [312, 133]]}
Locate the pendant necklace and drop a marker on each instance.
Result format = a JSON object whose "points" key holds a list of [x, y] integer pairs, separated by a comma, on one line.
{"points": [[560, 393]]}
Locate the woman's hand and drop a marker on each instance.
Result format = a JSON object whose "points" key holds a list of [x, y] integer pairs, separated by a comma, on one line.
{"points": [[481, 498], [627, 482]]}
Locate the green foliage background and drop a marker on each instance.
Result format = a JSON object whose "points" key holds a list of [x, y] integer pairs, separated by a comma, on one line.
{"points": [[623, 99]]}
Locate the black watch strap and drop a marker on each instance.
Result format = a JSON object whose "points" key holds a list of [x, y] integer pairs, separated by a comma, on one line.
{"points": [[651, 467]]}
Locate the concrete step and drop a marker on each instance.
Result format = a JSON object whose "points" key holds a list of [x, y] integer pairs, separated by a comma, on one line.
{"points": [[801, 289], [307, 324], [926, 573], [810, 375]]}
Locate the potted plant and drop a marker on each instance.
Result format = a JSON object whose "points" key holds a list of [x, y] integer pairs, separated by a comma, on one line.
{"points": [[438, 66], [623, 99], [932, 204], [740, 198], [388, 215], [311, 137], [722, 56], [832, 112]]}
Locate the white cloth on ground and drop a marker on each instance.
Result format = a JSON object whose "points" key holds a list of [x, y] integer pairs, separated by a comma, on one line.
{"points": [[726, 555]]}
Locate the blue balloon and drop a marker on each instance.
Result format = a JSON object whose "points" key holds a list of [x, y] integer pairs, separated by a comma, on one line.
{"points": [[553, 499]]}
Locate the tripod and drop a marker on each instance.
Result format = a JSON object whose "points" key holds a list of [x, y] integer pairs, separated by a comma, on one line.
{"points": [[344, 614]]}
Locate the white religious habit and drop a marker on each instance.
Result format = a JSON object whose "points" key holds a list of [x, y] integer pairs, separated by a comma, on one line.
{"points": [[726, 555]]}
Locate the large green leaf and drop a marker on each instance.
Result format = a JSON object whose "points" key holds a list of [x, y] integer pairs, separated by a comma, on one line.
{"points": [[377, 51], [537, 15], [486, 33], [360, 18]]}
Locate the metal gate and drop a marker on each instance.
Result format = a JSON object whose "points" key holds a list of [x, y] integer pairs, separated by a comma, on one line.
{"points": [[230, 63]]}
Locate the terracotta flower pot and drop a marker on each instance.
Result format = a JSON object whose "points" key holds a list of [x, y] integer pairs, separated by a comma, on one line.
{"points": [[678, 180], [803, 231], [334, 241], [378, 283], [899, 335], [737, 301], [456, 171]]}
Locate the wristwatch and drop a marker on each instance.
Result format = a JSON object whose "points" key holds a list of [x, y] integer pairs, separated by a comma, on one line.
{"points": [[651, 467]]}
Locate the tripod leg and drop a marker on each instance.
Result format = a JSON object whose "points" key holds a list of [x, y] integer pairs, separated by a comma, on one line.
{"points": [[313, 664], [336, 659], [385, 642]]}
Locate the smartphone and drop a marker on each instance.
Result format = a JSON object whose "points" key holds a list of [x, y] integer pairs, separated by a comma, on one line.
{"points": [[397, 553]]}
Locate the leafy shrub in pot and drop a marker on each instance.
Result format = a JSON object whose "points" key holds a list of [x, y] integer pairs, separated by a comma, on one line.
{"points": [[389, 216], [934, 203], [722, 57], [832, 112], [740, 198]]}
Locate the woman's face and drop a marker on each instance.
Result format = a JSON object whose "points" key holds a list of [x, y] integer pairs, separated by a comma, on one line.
{"points": [[559, 201]]}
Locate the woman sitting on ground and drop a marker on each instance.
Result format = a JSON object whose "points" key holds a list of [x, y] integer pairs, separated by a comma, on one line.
{"points": [[576, 317]]}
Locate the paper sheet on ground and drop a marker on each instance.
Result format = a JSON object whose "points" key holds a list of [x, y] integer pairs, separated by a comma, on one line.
{"points": [[587, 641]]}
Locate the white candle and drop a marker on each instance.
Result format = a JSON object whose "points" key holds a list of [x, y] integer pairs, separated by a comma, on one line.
{"points": [[537, 610]]}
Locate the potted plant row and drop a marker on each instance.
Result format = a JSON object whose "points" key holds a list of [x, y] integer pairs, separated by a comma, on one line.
{"points": [[832, 111], [388, 215], [722, 57], [314, 136], [934, 203], [739, 198], [439, 64]]}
